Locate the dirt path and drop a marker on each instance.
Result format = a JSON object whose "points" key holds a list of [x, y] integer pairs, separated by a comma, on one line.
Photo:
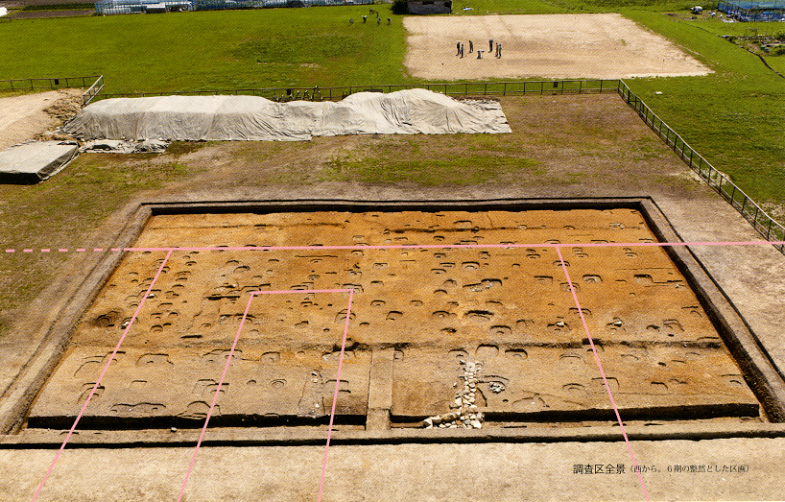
{"points": [[24, 117], [554, 46]]}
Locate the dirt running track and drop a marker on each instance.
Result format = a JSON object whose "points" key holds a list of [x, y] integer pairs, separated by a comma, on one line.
{"points": [[604, 46]]}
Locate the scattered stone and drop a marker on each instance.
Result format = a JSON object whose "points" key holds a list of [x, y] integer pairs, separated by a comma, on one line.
{"points": [[466, 415], [496, 387]]}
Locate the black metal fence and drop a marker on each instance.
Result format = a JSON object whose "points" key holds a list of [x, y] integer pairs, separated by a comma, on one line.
{"points": [[762, 222], [450, 89], [33, 84]]}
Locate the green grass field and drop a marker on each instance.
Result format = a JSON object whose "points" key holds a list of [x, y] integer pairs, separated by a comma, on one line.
{"points": [[208, 50], [734, 116]]}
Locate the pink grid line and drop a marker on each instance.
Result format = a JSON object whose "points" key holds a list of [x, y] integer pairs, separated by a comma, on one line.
{"points": [[557, 246], [602, 372], [229, 361], [98, 382]]}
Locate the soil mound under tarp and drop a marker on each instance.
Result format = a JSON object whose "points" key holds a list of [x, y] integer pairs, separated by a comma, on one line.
{"points": [[414, 111]]}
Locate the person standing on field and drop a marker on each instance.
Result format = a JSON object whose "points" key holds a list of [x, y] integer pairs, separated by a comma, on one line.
{"points": [[490, 45], [471, 46]]}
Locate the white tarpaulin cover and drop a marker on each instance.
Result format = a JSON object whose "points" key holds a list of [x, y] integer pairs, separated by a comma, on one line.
{"points": [[35, 161], [415, 111]]}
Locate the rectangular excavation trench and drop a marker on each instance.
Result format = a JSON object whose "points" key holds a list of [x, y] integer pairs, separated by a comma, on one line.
{"points": [[442, 324]]}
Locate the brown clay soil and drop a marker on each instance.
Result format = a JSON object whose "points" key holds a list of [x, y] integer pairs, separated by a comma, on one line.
{"points": [[508, 311], [28, 116], [604, 46]]}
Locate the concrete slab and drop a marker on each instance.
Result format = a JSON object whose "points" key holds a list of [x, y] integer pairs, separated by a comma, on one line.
{"points": [[31, 163]]}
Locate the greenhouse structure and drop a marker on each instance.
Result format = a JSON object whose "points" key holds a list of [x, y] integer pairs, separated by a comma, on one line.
{"points": [[773, 10], [112, 7]]}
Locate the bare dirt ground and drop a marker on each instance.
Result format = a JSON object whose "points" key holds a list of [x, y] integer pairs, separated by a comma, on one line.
{"points": [[593, 146], [30, 115], [606, 46], [499, 308]]}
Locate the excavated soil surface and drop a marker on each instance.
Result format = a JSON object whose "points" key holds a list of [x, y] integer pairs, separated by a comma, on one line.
{"points": [[418, 317]]}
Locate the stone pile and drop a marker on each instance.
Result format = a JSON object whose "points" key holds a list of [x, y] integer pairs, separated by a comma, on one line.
{"points": [[466, 414]]}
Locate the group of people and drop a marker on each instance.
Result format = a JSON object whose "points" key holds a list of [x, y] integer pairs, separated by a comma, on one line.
{"points": [[378, 19], [460, 49]]}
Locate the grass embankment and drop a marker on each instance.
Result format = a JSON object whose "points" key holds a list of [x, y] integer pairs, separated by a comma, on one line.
{"points": [[62, 212], [734, 117]]}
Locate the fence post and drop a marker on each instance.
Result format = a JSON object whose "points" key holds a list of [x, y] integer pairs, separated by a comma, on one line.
{"points": [[504, 92]]}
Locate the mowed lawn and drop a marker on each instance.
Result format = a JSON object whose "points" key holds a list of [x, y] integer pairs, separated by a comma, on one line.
{"points": [[210, 50]]}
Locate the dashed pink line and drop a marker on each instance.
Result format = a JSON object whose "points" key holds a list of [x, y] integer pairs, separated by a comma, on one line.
{"points": [[602, 372], [422, 246], [98, 382], [229, 361]]}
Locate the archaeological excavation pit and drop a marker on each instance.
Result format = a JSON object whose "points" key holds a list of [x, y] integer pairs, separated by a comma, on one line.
{"points": [[460, 318]]}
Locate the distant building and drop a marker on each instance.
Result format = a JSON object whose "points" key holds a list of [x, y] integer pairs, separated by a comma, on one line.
{"points": [[429, 6], [771, 10]]}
